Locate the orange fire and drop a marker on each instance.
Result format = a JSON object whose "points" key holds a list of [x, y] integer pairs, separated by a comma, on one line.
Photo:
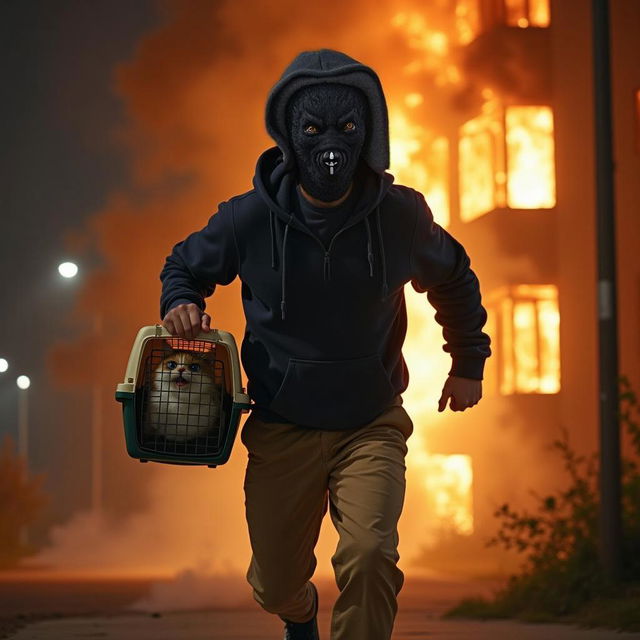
{"points": [[507, 159], [525, 322], [498, 151], [439, 485], [514, 13], [527, 13], [530, 157], [420, 159]]}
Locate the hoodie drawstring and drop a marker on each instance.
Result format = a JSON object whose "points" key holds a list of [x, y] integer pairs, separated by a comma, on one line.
{"points": [[273, 239], [385, 285], [369, 249], [327, 267], [284, 265]]}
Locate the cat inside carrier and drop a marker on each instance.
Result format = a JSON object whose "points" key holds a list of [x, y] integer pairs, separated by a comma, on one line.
{"points": [[182, 398]]}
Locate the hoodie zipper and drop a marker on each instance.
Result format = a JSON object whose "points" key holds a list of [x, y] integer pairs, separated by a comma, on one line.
{"points": [[327, 250]]}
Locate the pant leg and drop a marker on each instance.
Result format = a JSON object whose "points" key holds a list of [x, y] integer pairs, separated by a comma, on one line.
{"points": [[366, 494], [285, 501]]}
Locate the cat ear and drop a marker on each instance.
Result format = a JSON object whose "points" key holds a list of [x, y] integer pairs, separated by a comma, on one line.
{"points": [[209, 357], [165, 347]]}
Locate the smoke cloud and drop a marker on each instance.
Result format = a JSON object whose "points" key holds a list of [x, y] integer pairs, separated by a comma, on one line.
{"points": [[194, 94]]}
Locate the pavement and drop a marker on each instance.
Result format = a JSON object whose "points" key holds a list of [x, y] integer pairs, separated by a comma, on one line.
{"points": [[256, 625], [47, 606]]}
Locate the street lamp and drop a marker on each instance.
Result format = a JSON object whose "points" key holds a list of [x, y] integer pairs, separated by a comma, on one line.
{"points": [[4, 365], [23, 383], [69, 270]]}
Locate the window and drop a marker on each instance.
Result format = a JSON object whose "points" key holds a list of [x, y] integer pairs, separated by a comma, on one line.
{"points": [[448, 480], [475, 16], [525, 325], [527, 13], [506, 158]]}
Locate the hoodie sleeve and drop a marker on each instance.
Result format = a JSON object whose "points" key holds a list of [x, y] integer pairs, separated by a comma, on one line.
{"points": [[441, 267], [203, 260]]}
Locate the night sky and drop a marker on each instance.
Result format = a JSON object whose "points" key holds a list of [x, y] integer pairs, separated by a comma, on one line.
{"points": [[59, 161]]}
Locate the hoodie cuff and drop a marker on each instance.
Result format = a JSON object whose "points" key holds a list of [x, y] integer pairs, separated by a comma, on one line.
{"points": [[466, 367]]}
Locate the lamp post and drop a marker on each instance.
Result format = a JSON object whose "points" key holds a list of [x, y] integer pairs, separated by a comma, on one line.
{"points": [[23, 383], [69, 270], [610, 516]]}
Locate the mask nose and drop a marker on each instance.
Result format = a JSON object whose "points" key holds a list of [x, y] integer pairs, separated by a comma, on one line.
{"points": [[332, 161]]}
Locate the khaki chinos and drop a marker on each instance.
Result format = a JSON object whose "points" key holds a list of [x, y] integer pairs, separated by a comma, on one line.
{"points": [[293, 474]]}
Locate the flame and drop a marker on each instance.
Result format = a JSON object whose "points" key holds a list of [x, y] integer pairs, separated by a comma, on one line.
{"points": [[529, 345], [526, 13], [433, 46], [514, 13], [449, 479], [420, 159], [477, 171], [440, 485], [521, 178], [530, 157], [467, 20]]}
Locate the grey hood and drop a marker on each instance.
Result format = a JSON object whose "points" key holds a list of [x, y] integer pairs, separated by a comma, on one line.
{"points": [[328, 65]]}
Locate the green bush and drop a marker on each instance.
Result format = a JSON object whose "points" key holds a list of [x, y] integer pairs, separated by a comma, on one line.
{"points": [[561, 575]]}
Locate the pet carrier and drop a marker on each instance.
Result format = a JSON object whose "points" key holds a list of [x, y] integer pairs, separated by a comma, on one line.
{"points": [[182, 398]]}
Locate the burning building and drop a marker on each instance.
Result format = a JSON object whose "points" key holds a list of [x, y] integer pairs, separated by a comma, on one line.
{"points": [[510, 172]]}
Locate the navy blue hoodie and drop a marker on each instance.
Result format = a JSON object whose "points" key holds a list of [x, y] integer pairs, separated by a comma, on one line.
{"points": [[325, 323]]}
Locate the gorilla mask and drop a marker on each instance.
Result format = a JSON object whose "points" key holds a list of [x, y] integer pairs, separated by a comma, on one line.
{"points": [[326, 126]]}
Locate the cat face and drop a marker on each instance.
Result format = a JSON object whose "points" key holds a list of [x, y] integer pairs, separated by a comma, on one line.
{"points": [[185, 396], [184, 371]]}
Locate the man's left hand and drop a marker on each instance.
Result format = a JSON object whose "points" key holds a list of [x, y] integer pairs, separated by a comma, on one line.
{"points": [[464, 393]]}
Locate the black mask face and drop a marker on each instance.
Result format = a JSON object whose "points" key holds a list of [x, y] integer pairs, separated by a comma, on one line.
{"points": [[326, 124]]}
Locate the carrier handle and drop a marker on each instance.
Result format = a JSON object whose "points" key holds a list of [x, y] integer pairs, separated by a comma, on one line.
{"points": [[240, 397], [163, 332]]}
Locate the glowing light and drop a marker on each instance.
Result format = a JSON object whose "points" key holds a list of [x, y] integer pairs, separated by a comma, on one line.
{"points": [[23, 382], [524, 346], [539, 14], [433, 45], [527, 13], [467, 20], [528, 344], [442, 484], [4, 365], [516, 169], [422, 161], [479, 153], [549, 326], [68, 269], [413, 99], [448, 482], [530, 157]]}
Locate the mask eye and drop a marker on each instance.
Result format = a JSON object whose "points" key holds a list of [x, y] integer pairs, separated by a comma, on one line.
{"points": [[311, 128], [194, 367], [172, 364], [350, 126]]}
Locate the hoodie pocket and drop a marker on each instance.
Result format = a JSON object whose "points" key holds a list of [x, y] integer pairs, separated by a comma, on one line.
{"points": [[333, 394]]}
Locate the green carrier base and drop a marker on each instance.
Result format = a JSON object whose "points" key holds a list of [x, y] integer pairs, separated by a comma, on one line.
{"points": [[136, 450]]}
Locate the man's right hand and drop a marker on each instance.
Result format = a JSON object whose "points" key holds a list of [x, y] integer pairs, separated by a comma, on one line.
{"points": [[186, 321]]}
